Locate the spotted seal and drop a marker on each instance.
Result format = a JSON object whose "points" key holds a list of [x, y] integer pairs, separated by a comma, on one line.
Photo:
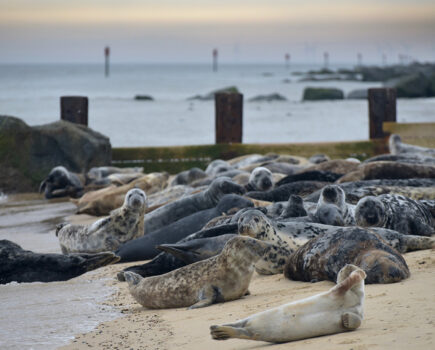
{"points": [[61, 183], [338, 310], [19, 265], [322, 257], [221, 278], [109, 233], [144, 248], [395, 212], [188, 205]]}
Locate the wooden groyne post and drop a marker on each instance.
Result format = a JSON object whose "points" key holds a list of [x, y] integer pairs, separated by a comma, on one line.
{"points": [[382, 108], [74, 109], [229, 117]]}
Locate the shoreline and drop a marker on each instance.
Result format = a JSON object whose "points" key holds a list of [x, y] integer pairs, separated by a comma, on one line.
{"points": [[400, 315]]}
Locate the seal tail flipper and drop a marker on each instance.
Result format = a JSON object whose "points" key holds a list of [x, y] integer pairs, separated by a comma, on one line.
{"points": [[351, 320], [226, 332], [186, 255], [132, 278], [354, 278], [413, 242], [94, 261]]}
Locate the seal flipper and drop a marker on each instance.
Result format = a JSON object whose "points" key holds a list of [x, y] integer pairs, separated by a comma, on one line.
{"points": [[351, 320], [208, 296], [231, 330], [183, 251]]}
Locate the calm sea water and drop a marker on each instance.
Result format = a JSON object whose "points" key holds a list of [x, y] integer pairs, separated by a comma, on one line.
{"points": [[32, 93]]}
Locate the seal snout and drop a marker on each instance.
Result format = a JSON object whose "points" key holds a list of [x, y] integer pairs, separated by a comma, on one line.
{"points": [[132, 278]]}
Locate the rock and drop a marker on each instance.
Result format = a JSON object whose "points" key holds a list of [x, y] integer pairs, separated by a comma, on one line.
{"points": [[314, 94], [144, 98], [358, 94], [268, 98], [210, 95], [27, 154], [413, 85]]}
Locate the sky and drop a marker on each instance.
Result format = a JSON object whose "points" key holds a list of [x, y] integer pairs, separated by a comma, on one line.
{"points": [[184, 31]]}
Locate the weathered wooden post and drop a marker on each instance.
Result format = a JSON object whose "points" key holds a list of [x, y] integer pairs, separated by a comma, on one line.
{"points": [[106, 60], [287, 61], [74, 109], [229, 117], [382, 108]]}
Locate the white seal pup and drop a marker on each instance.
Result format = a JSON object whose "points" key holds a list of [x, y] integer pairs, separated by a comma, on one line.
{"points": [[109, 233], [218, 279], [395, 212], [338, 310]]}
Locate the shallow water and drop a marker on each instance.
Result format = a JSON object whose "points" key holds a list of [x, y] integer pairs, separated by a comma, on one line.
{"points": [[45, 315]]}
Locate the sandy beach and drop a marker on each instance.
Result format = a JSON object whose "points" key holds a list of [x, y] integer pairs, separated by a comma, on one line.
{"points": [[399, 316]]}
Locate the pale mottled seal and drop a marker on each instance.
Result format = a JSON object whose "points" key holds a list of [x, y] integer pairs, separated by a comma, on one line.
{"points": [[395, 212], [19, 265], [106, 234], [261, 179], [402, 158], [191, 204], [323, 257], [61, 183], [338, 310], [144, 248], [221, 278], [398, 147]]}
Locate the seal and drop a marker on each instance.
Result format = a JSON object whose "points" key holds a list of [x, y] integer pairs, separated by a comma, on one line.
{"points": [[61, 183], [403, 158], [332, 208], [358, 189], [188, 205], [221, 278], [322, 257], [295, 208], [338, 310], [188, 176], [165, 262], [109, 233], [395, 212], [261, 179], [313, 175], [389, 170], [283, 193], [19, 265], [398, 147], [336, 166], [218, 166], [144, 248], [102, 202]]}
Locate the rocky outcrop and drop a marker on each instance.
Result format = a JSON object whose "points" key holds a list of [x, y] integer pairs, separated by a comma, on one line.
{"points": [[359, 94], [315, 94], [414, 85], [268, 98], [27, 154], [210, 95], [143, 98]]}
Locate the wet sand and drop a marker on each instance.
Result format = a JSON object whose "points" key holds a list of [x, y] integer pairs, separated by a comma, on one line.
{"points": [[399, 316]]}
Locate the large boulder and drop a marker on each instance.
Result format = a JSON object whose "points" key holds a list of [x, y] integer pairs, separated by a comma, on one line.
{"points": [[315, 94], [413, 85], [210, 95], [268, 98], [27, 154], [358, 94]]}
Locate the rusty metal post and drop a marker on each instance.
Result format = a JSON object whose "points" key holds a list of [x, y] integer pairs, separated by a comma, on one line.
{"points": [[74, 109], [229, 117], [382, 108]]}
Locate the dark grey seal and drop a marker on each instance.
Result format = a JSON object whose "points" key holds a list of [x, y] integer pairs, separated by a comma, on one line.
{"points": [[283, 193], [61, 183]]}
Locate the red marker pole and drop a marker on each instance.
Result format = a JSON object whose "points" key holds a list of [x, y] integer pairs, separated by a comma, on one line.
{"points": [[215, 57], [106, 57]]}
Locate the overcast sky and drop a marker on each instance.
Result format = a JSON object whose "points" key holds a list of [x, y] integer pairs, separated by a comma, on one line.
{"points": [[243, 30]]}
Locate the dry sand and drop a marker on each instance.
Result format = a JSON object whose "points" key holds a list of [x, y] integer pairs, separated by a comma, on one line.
{"points": [[397, 316]]}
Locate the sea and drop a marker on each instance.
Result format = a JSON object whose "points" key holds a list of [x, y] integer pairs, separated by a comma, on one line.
{"points": [[32, 92], [47, 315]]}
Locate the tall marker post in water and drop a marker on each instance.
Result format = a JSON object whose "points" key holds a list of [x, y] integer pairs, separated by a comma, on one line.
{"points": [[326, 59], [215, 58], [106, 60], [287, 61], [359, 59]]}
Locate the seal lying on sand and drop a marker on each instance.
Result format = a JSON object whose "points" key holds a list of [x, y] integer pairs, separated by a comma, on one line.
{"points": [[323, 257], [106, 234], [338, 310], [314, 175], [398, 147], [221, 278], [395, 212], [19, 265], [332, 208], [191, 204], [144, 248], [61, 183]]}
